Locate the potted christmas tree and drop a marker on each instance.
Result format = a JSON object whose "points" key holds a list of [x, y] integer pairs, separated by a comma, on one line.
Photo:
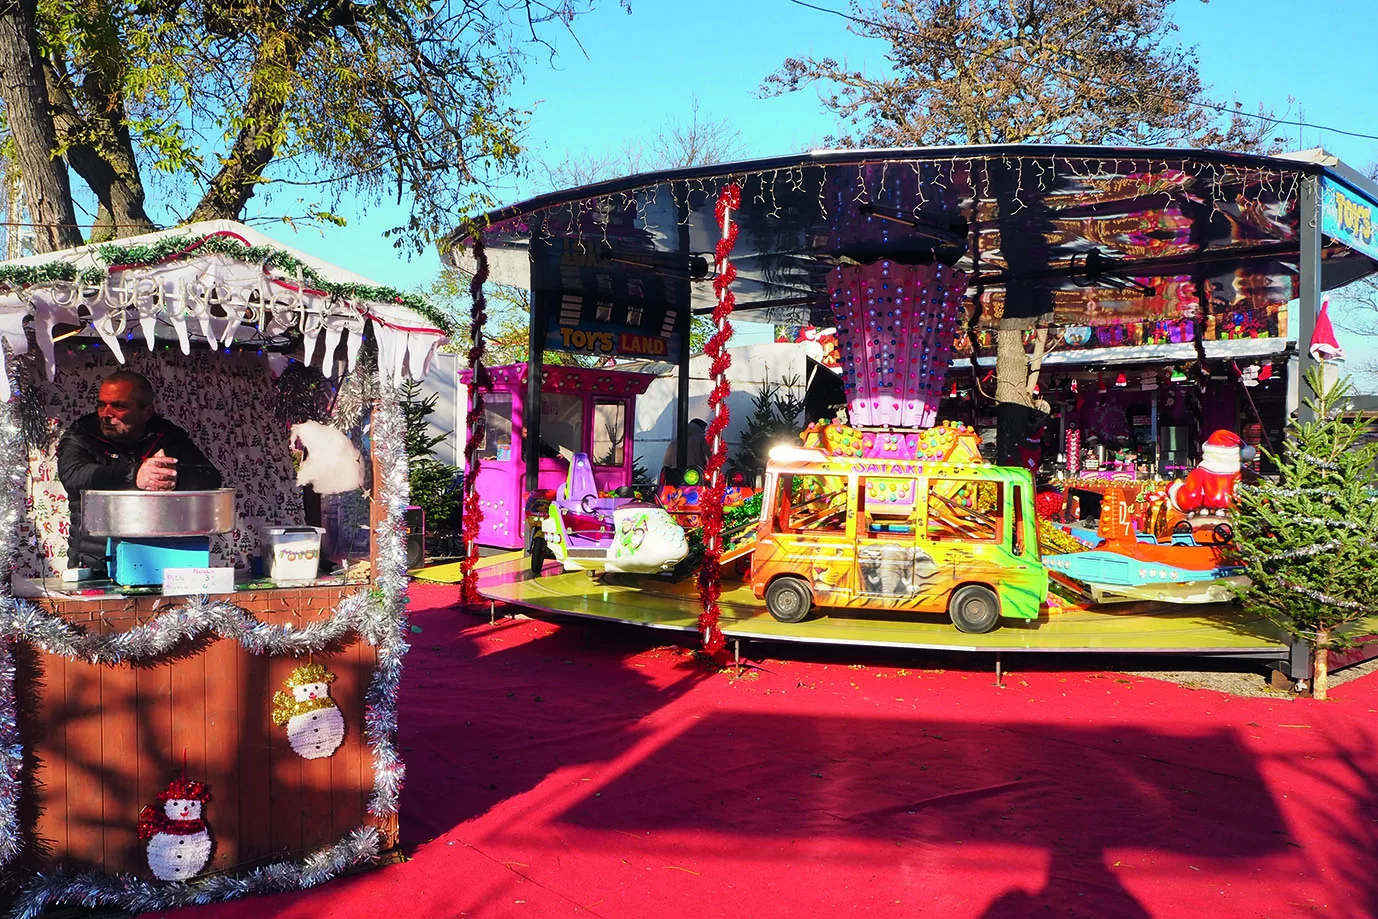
{"points": [[1308, 539]]}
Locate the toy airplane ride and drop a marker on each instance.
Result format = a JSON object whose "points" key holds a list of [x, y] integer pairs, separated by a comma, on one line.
{"points": [[588, 532]]}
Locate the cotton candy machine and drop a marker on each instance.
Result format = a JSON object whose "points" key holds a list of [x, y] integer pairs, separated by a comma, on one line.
{"points": [[148, 531]]}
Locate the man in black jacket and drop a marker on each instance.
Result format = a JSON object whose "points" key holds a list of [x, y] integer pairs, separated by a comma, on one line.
{"points": [[124, 445]]}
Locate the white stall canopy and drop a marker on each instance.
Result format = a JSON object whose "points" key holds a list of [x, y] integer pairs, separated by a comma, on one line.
{"points": [[217, 280]]}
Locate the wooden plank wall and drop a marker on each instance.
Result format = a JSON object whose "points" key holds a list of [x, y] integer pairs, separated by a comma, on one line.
{"points": [[106, 740]]}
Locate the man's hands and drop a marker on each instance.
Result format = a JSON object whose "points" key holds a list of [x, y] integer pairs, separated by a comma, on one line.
{"points": [[158, 473]]}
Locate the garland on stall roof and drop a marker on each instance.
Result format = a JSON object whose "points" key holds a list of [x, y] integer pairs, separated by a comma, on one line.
{"points": [[173, 248], [377, 615], [711, 520], [471, 517]]}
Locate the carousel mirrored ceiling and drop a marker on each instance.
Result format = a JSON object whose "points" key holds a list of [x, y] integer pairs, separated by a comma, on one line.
{"points": [[1116, 246]]}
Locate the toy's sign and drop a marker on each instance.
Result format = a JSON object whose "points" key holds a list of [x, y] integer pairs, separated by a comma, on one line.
{"points": [[1348, 217], [608, 309]]}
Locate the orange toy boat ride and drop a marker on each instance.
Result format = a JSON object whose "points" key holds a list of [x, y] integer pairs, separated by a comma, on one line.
{"points": [[1134, 566]]}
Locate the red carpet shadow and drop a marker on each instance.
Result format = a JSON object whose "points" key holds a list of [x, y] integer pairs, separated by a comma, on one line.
{"points": [[927, 785], [489, 710]]}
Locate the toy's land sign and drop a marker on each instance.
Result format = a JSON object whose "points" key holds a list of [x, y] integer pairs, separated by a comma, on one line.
{"points": [[609, 309]]}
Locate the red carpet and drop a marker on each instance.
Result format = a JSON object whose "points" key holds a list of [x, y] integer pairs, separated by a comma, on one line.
{"points": [[584, 770]]}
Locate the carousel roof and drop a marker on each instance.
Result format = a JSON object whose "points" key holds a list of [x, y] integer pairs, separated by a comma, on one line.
{"points": [[218, 281], [1134, 238]]}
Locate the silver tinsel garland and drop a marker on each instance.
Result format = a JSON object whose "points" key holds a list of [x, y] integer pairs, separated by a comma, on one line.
{"points": [[378, 615], [1324, 597], [13, 495], [1317, 549], [11, 759], [380, 701], [125, 891], [363, 612]]}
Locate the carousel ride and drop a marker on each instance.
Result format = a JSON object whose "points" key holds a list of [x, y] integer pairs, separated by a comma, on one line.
{"points": [[886, 508], [916, 258]]}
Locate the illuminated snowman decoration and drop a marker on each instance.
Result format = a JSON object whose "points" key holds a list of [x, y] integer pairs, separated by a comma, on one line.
{"points": [[315, 726], [179, 842]]}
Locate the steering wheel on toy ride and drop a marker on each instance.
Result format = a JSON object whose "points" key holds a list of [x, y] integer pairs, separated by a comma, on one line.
{"points": [[1222, 533]]}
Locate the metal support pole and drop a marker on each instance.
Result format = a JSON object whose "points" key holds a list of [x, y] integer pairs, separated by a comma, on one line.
{"points": [[686, 323], [1301, 660], [545, 286], [684, 327], [999, 672], [737, 655], [1309, 300]]}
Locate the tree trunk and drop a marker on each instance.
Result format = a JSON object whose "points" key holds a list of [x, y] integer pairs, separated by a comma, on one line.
{"points": [[108, 169], [47, 187], [119, 193], [1013, 403], [1320, 681], [241, 170], [1026, 305]]}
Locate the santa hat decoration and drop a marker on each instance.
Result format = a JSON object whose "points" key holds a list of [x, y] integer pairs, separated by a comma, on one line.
{"points": [[1324, 347], [1224, 439], [185, 790]]}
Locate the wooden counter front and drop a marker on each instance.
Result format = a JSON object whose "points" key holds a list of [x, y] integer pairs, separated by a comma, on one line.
{"points": [[104, 741]]}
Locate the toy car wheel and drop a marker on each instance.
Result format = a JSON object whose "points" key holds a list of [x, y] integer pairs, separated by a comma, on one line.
{"points": [[538, 554], [789, 599], [974, 608]]}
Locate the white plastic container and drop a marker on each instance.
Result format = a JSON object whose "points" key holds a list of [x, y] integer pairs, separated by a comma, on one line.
{"points": [[295, 554]]}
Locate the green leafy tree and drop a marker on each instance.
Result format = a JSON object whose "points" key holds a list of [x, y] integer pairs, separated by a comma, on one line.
{"points": [[432, 482], [229, 98], [1308, 540], [1036, 71]]}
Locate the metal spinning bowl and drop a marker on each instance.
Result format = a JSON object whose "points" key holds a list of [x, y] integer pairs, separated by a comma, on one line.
{"points": [[152, 514]]}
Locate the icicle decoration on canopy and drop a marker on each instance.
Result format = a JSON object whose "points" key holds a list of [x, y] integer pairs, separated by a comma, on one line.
{"points": [[224, 286], [710, 571], [896, 325]]}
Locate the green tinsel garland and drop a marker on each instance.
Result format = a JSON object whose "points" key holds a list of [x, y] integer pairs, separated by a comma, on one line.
{"points": [[171, 248], [741, 515], [16, 276]]}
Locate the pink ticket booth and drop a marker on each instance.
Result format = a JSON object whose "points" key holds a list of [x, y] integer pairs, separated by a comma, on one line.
{"points": [[582, 411]]}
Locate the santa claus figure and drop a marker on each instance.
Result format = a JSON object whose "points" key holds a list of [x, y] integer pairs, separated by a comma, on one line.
{"points": [[809, 337], [1208, 490]]}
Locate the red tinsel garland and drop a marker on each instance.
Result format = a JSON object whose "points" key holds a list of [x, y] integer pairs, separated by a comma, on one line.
{"points": [[472, 516], [710, 571]]}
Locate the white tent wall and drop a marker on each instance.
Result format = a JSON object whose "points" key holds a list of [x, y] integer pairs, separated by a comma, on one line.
{"points": [[442, 380], [754, 368]]}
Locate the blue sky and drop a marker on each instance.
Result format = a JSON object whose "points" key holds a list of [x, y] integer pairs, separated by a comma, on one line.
{"points": [[647, 67]]}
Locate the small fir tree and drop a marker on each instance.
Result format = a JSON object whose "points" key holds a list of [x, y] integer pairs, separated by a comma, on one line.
{"points": [[1307, 540], [433, 483], [774, 418]]}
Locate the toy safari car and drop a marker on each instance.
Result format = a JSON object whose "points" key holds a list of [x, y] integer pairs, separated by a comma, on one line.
{"points": [[906, 535]]}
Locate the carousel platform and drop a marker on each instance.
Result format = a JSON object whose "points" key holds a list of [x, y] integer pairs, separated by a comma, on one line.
{"points": [[1216, 630]]}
